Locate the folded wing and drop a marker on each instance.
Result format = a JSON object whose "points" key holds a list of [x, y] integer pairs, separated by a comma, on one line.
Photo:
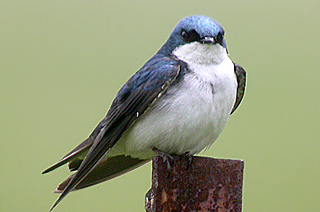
{"points": [[142, 89], [241, 80]]}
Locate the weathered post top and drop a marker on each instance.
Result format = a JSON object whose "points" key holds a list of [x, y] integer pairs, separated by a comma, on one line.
{"points": [[208, 184]]}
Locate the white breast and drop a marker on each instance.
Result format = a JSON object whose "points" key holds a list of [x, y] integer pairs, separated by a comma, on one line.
{"points": [[189, 116]]}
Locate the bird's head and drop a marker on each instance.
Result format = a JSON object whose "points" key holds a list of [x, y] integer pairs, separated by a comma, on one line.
{"points": [[197, 39]]}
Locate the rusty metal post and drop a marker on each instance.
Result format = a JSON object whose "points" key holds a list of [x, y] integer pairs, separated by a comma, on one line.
{"points": [[208, 184]]}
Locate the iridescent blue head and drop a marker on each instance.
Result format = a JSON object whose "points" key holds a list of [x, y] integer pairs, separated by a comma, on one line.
{"points": [[199, 29]]}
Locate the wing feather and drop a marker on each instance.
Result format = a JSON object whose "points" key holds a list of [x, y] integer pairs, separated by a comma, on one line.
{"points": [[72, 155], [241, 80], [132, 101]]}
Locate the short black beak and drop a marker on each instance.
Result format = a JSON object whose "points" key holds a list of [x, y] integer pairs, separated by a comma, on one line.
{"points": [[207, 40]]}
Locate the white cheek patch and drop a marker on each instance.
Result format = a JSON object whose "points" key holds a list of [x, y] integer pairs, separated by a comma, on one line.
{"points": [[196, 52]]}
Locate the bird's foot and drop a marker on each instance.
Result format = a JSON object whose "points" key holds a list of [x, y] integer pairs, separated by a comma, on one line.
{"points": [[169, 159], [188, 157]]}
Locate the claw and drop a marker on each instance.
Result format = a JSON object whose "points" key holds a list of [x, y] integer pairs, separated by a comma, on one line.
{"points": [[169, 159], [189, 157]]}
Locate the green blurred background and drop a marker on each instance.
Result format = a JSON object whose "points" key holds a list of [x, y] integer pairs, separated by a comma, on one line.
{"points": [[62, 62]]}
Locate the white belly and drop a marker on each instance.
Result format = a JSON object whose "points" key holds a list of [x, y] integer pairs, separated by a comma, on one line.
{"points": [[188, 117]]}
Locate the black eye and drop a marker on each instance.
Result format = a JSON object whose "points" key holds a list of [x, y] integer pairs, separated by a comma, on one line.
{"points": [[219, 37], [184, 34], [190, 36]]}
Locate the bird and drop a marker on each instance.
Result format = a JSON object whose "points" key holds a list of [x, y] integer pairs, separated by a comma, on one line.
{"points": [[177, 103]]}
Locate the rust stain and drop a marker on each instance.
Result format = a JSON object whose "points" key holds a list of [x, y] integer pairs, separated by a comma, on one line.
{"points": [[207, 185], [164, 197]]}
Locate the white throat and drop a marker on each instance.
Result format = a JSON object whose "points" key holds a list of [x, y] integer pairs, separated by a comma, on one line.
{"points": [[205, 54]]}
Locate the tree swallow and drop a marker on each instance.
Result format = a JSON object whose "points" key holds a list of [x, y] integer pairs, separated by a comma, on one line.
{"points": [[177, 103]]}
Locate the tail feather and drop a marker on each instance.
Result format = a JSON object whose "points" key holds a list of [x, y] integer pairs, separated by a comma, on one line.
{"points": [[70, 157], [105, 170]]}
